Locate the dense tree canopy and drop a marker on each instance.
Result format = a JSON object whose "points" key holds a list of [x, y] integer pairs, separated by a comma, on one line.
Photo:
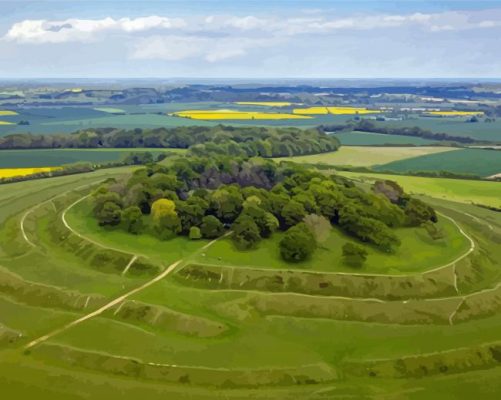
{"points": [[252, 197]]}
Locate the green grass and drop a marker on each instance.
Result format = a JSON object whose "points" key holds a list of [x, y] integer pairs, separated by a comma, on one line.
{"points": [[57, 157], [356, 138], [367, 156], [466, 161], [460, 190], [417, 253]]}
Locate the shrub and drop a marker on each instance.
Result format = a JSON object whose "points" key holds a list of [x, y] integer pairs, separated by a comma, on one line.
{"points": [[195, 233], [354, 254], [211, 227]]}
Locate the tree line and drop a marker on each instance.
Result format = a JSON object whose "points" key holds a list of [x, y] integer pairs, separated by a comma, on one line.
{"points": [[202, 197], [201, 140]]}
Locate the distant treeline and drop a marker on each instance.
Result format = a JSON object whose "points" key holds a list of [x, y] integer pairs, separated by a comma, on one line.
{"points": [[237, 141], [415, 131]]}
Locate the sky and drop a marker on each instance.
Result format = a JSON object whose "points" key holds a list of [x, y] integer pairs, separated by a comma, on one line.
{"points": [[250, 39]]}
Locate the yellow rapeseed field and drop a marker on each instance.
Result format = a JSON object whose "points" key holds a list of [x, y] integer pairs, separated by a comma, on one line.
{"points": [[334, 110], [455, 113], [5, 113], [264, 103], [11, 172], [234, 115], [6, 123]]}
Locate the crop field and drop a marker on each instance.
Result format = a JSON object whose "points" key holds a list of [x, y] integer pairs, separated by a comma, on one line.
{"points": [[263, 103], [453, 126], [58, 157], [235, 115], [334, 110], [11, 172], [454, 113], [108, 315], [475, 161], [356, 138], [459, 190], [368, 156]]}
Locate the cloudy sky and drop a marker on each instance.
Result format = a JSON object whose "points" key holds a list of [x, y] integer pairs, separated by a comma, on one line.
{"points": [[244, 38]]}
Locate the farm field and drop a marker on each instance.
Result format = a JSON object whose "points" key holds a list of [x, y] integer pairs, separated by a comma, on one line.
{"points": [[459, 190], [356, 138], [11, 172], [208, 330], [58, 157], [367, 156], [480, 162], [452, 126], [235, 115]]}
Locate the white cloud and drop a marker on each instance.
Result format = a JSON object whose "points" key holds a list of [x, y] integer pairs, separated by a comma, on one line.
{"points": [[73, 29], [84, 30], [175, 48]]}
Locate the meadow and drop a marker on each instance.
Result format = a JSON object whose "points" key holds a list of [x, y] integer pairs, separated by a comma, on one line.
{"points": [[200, 337], [479, 162]]}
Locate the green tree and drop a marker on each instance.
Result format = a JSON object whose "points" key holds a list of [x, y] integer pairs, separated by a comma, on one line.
{"points": [[211, 227], [418, 212], [354, 254], [132, 219], [165, 219], [297, 244], [109, 214], [226, 203], [293, 213], [246, 233]]}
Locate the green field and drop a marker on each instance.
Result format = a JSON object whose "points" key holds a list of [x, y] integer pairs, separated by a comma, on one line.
{"points": [[57, 157], [467, 161], [452, 126], [189, 337], [367, 156], [356, 138], [460, 190]]}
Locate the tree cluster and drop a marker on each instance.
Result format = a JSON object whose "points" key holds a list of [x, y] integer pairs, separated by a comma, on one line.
{"points": [[203, 197], [202, 140]]}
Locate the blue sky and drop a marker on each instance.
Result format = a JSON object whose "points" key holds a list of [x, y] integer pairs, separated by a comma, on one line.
{"points": [[250, 39]]}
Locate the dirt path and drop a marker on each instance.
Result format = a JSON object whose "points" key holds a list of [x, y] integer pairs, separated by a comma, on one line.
{"points": [[67, 226], [116, 301]]}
